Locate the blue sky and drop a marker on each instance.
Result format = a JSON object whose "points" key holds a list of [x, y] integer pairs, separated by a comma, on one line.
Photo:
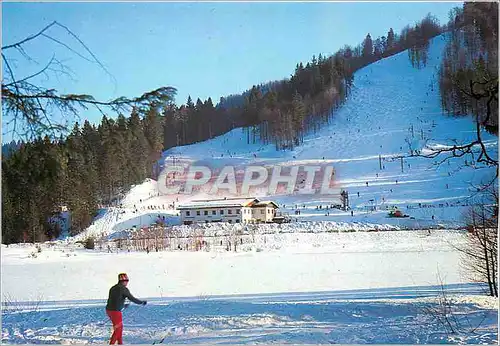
{"points": [[202, 49]]}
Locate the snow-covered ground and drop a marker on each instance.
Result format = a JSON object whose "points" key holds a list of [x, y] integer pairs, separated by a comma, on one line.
{"points": [[347, 287], [320, 279], [290, 262], [332, 317]]}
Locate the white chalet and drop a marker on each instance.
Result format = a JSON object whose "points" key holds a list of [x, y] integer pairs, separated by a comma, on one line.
{"points": [[232, 210]]}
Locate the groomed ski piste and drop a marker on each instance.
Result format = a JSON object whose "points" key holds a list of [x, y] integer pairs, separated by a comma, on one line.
{"points": [[324, 278]]}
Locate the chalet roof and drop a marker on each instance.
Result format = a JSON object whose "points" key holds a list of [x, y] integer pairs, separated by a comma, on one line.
{"points": [[219, 203], [265, 204]]}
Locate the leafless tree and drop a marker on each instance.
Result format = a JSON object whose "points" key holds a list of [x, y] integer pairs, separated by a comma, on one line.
{"points": [[31, 109], [475, 149], [479, 255], [468, 83]]}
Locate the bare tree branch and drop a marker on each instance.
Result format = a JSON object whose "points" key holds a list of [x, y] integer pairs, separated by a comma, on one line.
{"points": [[33, 75], [476, 146], [29, 38], [32, 106]]}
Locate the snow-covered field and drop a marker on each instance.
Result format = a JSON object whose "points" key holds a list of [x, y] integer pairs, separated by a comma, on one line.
{"points": [[320, 279], [347, 287], [276, 263]]}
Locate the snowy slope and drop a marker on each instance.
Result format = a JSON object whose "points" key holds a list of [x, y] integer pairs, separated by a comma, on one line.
{"points": [[392, 104]]}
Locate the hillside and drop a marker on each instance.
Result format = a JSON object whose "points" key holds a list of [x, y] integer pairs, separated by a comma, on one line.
{"points": [[391, 105], [388, 98]]}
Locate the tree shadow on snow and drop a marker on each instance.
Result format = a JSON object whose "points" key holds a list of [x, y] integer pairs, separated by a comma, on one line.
{"points": [[353, 316]]}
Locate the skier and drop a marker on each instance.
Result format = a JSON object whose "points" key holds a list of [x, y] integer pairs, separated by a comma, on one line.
{"points": [[115, 305]]}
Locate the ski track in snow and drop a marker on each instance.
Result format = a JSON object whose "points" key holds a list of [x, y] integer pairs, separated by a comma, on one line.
{"points": [[325, 317], [359, 287]]}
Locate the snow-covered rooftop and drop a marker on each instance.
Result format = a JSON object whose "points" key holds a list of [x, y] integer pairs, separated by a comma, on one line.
{"points": [[222, 203]]}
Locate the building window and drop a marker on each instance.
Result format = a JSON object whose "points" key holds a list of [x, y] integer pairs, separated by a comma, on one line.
{"points": [[214, 212], [262, 211], [237, 221], [230, 221], [198, 212], [205, 212], [238, 211], [229, 211], [188, 213], [222, 211]]}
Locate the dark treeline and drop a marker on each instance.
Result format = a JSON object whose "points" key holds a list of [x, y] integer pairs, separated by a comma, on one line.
{"points": [[468, 77], [95, 165], [11, 147], [92, 166]]}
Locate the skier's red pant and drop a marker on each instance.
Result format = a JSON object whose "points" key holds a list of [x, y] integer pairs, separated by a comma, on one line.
{"points": [[117, 320]]}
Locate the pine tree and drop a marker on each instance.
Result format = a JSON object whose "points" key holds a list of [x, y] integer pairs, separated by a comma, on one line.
{"points": [[77, 184], [189, 103], [15, 194], [121, 150], [169, 133], [211, 116], [298, 115], [378, 48], [200, 120], [108, 163], [154, 136], [91, 145], [139, 148], [367, 47], [390, 40]]}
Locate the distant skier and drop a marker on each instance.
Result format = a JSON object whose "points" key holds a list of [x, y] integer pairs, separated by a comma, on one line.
{"points": [[115, 305]]}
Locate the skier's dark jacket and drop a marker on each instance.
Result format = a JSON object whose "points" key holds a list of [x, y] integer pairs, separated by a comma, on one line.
{"points": [[117, 295]]}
